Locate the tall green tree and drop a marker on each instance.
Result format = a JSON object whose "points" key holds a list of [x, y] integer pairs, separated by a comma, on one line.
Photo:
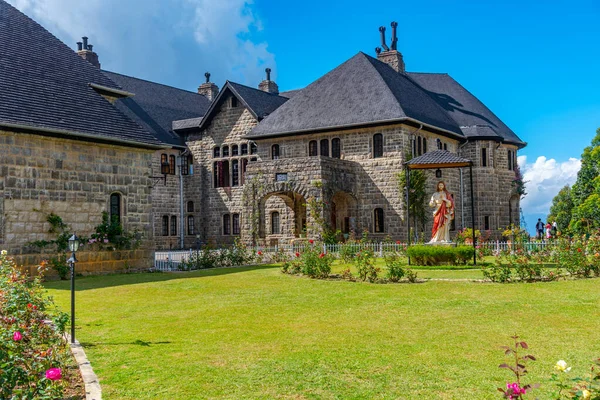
{"points": [[561, 209], [417, 196]]}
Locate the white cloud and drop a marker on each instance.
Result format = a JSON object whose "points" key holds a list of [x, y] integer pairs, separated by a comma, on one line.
{"points": [[172, 42], [544, 180]]}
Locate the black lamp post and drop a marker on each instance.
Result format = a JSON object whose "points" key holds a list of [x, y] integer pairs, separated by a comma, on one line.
{"points": [[73, 246]]}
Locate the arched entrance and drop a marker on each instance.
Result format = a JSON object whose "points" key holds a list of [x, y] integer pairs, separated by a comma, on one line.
{"points": [[282, 217], [343, 213]]}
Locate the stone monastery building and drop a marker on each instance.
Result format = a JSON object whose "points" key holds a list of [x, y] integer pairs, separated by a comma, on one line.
{"points": [[240, 162]]}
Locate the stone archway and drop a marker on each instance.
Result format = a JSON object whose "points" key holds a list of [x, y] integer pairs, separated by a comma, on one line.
{"points": [[343, 212], [282, 217]]}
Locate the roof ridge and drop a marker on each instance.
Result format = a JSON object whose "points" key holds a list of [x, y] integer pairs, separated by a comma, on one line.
{"points": [[255, 89], [149, 81]]}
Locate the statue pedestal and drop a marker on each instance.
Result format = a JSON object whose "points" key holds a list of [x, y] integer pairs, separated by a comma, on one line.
{"points": [[452, 244]]}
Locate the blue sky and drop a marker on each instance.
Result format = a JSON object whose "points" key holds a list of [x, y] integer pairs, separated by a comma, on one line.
{"points": [[535, 64]]}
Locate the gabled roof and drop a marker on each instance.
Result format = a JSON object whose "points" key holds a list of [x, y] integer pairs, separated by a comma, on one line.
{"points": [[45, 87], [156, 106], [473, 117], [361, 91], [259, 103], [438, 159]]}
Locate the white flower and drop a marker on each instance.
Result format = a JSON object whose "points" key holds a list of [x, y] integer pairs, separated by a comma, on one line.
{"points": [[586, 394], [3, 252], [561, 365]]}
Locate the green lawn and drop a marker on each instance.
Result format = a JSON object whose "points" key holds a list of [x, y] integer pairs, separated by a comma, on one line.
{"points": [[255, 333]]}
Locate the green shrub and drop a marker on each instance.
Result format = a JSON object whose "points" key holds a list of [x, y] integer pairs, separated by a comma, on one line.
{"points": [[348, 250], [395, 267], [437, 255], [365, 265]]}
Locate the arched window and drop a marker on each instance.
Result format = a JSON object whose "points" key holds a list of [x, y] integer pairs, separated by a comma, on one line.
{"points": [[172, 164], [236, 224], [275, 223], [173, 225], [234, 150], [226, 224], [484, 158], [244, 167], [424, 145], [439, 143], [312, 148], [419, 146], [244, 149], [377, 145], [190, 206], [275, 152], [221, 173], [217, 152], [190, 225], [225, 151], [336, 148], [446, 148], [324, 147], [378, 220], [235, 172], [253, 148], [115, 207], [165, 225], [164, 164]]}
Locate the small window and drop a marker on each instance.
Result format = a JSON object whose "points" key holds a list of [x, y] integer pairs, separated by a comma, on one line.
{"points": [[226, 224], [445, 146], [190, 206], [217, 152], [486, 223], [484, 157], [253, 148], [424, 145], [312, 148], [190, 225], [336, 151], [281, 177], [244, 149], [172, 165], [234, 150], [324, 147], [165, 225], [235, 173], [234, 102], [510, 166], [377, 145], [275, 223], [225, 151], [115, 208], [244, 167], [173, 225], [439, 144], [414, 147], [164, 164], [419, 146], [275, 152], [378, 219], [236, 224], [185, 166]]}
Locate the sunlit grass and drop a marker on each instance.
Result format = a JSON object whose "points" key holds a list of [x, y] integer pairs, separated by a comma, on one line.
{"points": [[255, 333]]}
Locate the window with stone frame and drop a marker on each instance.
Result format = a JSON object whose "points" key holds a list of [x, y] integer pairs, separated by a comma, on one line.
{"points": [[324, 147], [445, 146], [115, 207], [275, 152], [377, 145], [235, 222], [226, 224], [510, 160], [313, 148], [424, 145], [378, 221], [486, 223], [233, 102], [336, 148], [244, 149], [190, 206], [234, 150], [439, 144], [253, 148], [275, 225], [164, 160], [165, 225], [225, 151], [419, 145], [235, 172], [244, 167], [172, 164], [484, 157], [173, 225], [185, 166], [216, 152], [221, 173], [190, 225]]}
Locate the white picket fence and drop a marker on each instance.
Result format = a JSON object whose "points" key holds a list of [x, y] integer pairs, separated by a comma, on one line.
{"points": [[170, 260]]}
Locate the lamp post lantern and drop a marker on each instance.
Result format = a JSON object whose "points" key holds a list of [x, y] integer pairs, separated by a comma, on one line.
{"points": [[73, 246]]}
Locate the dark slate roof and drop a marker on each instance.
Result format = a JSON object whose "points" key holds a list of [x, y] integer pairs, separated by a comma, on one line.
{"points": [[156, 106], [437, 159], [45, 86], [361, 91], [290, 93], [259, 103], [184, 124], [474, 118]]}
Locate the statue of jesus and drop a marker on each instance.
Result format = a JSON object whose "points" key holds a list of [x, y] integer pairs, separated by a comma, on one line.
{"points": [[443, 202]]}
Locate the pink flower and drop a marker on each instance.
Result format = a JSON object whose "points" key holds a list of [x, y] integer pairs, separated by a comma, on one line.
{"points": [[311, 241], [321, 255], [105, 240], [17, 336], [513, 390], [297, 254], [53, 374]]}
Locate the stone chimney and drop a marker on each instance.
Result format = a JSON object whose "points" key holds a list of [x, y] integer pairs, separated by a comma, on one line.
{"points": [[392, 56], [208, 89], [84, 50], [268, 85]]}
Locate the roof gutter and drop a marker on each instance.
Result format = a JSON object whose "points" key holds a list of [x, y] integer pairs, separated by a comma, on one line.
{"points": [[81, 135], [106, 89]]}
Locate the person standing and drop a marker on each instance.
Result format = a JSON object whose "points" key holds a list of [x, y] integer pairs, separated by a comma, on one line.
{"points": [[539, 227]]}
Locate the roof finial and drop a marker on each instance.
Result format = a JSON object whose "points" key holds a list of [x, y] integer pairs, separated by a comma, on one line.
{"points": [[382, 30], [378, 50], [394, 37], [268, 71], [207, 75]]}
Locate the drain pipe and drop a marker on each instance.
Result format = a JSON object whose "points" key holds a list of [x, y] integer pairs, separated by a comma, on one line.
{"points": [[181, 209]]}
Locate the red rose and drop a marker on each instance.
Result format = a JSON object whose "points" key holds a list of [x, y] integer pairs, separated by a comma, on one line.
{"points": [[311, 241], [321, 255], [579, 250], [397, 242], [29, 305], [297, 254], [259, 253]]}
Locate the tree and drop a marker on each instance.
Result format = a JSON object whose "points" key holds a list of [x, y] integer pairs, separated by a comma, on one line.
{"points": [[561, 209], [417, 195]]}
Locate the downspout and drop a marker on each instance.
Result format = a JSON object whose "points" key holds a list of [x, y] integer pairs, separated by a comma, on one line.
{"points": [[181, 209]]}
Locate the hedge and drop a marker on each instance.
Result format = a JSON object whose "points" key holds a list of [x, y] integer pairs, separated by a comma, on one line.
{"points": [[438, 255]]}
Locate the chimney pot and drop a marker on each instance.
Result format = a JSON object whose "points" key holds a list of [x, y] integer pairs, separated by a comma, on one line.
{"points": [[268, 71], [79, 46], [85, 44], [90, 47], [207, 75]]}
